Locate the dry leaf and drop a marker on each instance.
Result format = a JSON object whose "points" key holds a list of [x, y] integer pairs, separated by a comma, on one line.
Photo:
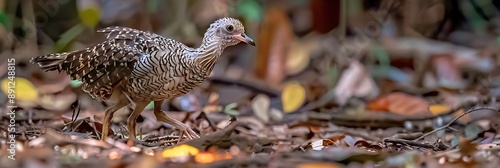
{"points": [[274, 40], [179, 151], [276, 114], [355, 81], [298, 57], [437, 109], [379, 104], [404, 104], [293, 96], [318, 165], [22, 88], [57, 102], [260, 106], [204, 157]]}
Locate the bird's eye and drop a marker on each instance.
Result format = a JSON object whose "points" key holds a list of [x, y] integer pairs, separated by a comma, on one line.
{"points": [[230, 28]]}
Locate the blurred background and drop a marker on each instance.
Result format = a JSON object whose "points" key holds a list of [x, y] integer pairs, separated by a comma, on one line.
{"points": [[312, 57]]}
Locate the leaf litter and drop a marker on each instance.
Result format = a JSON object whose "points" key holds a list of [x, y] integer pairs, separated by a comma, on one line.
{"points": [[314, 100]]}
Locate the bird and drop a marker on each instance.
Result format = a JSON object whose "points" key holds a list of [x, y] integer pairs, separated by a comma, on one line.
{"points": [[138, 67]]}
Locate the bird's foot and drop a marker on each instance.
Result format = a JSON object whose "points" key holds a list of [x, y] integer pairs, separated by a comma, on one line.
{"points": [[188, 132]]}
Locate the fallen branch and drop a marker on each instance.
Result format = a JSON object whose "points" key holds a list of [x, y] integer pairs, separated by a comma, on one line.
{"points": [[452, 121], [435, 147]]}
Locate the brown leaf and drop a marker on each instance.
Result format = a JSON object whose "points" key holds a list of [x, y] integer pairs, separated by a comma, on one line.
{"points": [[404, 104], [274, 39]]}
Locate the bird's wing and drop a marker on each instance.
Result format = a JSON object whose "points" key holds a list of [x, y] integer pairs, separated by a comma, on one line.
{"points": [[103, 66], [147, 40], [116, 58]]}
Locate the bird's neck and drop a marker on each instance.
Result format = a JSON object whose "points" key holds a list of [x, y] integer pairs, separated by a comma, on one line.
{"points": [[207, 55]]}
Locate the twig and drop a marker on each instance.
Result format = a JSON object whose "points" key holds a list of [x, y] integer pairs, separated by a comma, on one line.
{"points": [[434, 147], [452, 121], [213, 139], [353, 133], [212, 125]]}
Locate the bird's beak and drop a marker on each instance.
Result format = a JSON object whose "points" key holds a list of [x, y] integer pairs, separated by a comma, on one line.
{"points": [[244, 38]]}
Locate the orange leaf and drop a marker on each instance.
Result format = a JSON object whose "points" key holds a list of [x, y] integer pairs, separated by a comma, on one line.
{"points": [[404, 104], [379, 104], [180, 151], [437, 109], [204, 157], [318, 165]]}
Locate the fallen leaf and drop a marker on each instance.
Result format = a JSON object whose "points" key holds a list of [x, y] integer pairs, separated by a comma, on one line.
{"points": [[276, 114], [180, 151], [404, 104], [204, 157], [22, 88], [114, 155], [298, 57], [355, 81], [437, 109], [144, 161], [379, 104], [466, 147], [293, 96], [260, 106], [58, 102], [318, 165], [472, 130]]}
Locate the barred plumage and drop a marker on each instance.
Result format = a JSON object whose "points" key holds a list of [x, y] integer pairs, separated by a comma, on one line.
{"points": [[133, 66]]}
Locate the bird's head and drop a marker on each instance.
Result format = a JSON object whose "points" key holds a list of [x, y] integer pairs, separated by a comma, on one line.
{"points": [[229, 31]]}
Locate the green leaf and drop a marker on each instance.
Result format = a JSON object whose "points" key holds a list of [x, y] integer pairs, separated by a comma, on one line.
{"points": [[232, 112], [230, 106], [75, 83], [150, 106], [250, 9], [68, 37], [90, 17], [3, 19], [383, 58], [472, 131]]}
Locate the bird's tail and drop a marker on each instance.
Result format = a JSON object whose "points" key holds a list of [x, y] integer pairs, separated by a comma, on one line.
{"points": [[50, 62]]}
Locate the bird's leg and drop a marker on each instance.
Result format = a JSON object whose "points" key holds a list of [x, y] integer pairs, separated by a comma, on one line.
{"points": [[132, 119], [109, 115], [185, 130]]}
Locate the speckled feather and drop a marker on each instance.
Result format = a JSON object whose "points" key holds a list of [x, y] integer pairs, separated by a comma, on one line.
{"points": [[144, 65]]}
